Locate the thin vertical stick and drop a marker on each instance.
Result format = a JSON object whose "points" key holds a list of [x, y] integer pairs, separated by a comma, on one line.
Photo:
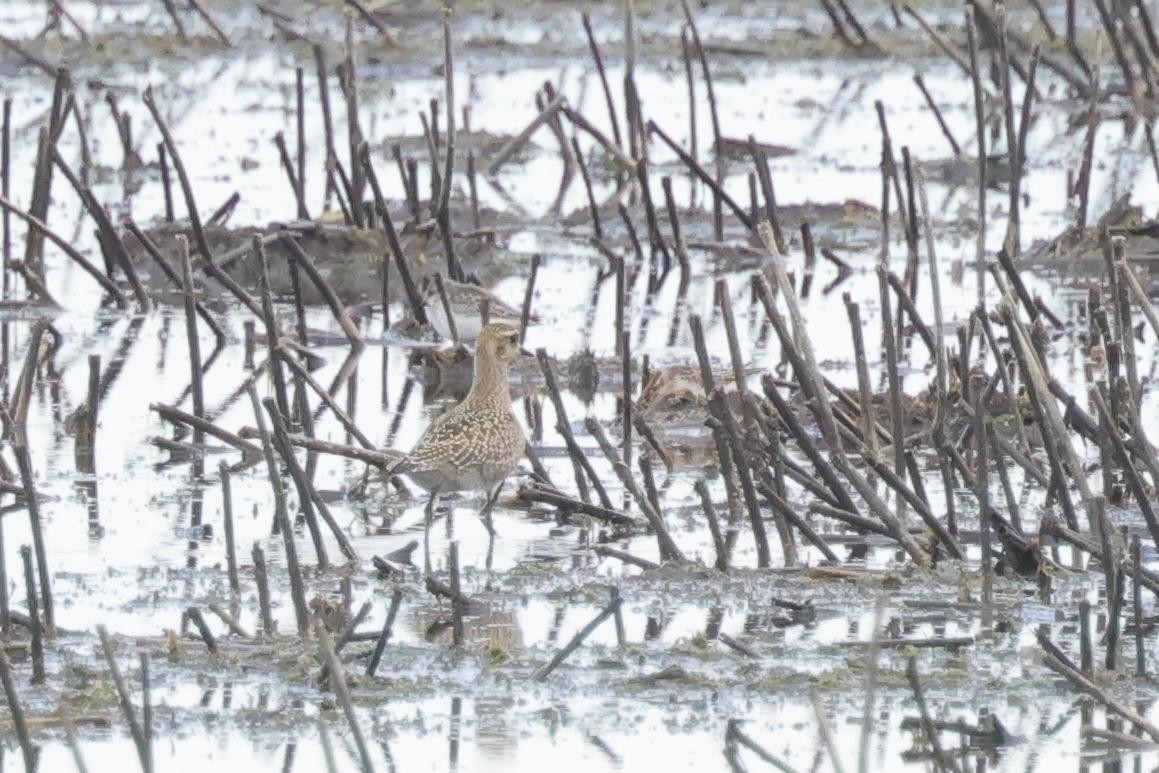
{"points": [[384, 636], [261, 577], [1137, 601], [300, 110], [980, 122], [457, 602], [33, 616], [20, 447], [227, 517], [282, 518], [135, 729], [14, 708], [342, 692], [191, 335]]}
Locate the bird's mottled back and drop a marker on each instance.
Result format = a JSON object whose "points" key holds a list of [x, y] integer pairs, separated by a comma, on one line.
{"points": [[476, 444]]}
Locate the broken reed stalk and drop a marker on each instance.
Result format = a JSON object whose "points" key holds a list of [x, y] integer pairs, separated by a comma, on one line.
{"points": [[349, 328], [718, 406], [944, 761], [1137, 606], [152, 251], [579, 458], [413, 296], [710, 515], [33, 616], [982, 492], [110, 241], [191, 337], [342, 693], [384, 635], [230, 621], [207, 263], [1134, 481], [599, 62], [921, 84], [301, 482], [38, 226], [518, 141], [593, 207], [798, 347], [458, 601], [24, 463], [1056, 440], [282, 518], [668, 548], [262, 580], [27, 747], [140, 740], [193, 615], [536, 492], [980, 128], [1080, 681], [542, 673], [704, 176]]}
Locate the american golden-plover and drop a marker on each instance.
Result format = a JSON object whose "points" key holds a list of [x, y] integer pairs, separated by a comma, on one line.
{"points": [[475, 445]]}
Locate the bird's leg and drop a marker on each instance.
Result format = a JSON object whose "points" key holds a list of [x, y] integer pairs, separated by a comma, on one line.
{"points": [[429, 518], [485, 513]]}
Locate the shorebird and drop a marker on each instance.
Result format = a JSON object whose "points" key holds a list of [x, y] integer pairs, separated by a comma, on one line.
{"points": [[466, 302], [475, 445]]}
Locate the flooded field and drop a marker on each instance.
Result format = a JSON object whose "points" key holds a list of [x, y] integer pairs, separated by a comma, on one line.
{"points": [[760, 577]]}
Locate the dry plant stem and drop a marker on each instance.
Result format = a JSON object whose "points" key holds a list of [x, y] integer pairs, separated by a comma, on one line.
{"points": [[518, 141], [208, 265], [954, 146], [883, 512], [135, 729], [261, 579], [38, 225], [718, 192], [785, 511], [599, 62], [412, 293], [982, 492], [178, 416], [282, 518], [734, 735], [27, 748], [805, 364], [1134, 482], [152, 251], [718, 406], [340, 314], [384, 635], [826, 472], [213, 25], [33, 616], [710, 515], [1083, 181], [944, 762], [193, 615], [761, 161], [369, 17], [1052, 527], [1035, 380], [342, 693], [593, 207], [295, 184], [541, 674], [895, 482], [1076, 678], [24, 463], [906, 305], [564, 428], [299, 371], [230, 621], [457, 600], [863, 386], [1137, 607], [578, 120], [704, 176], [897, 418], [940, 42], [301, 482], [668, 548], [171, 9], [107, 233], [551, 496], [980, 129], [608, 552]]}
